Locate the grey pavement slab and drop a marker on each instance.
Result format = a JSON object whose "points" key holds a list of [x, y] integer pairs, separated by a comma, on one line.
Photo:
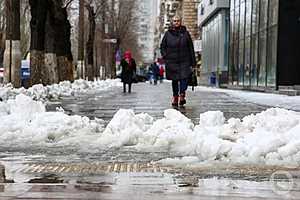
{"points": [[154, 99], [151, 186]]}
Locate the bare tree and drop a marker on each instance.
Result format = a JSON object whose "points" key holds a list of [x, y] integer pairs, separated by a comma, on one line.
{"points": [[2, 31], [51, 57], [116, 20], [126, 26], [90, 69], [12, 54], [25, 27], [80, 58]]}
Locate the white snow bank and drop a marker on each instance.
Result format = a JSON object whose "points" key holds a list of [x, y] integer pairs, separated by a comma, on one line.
{"points": [[270, 137], [65, 88], [24, 123], [273, 100]]}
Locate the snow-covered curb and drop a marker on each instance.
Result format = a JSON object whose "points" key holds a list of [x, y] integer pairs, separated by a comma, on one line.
{"points": [[270, 137], [273, 100]]}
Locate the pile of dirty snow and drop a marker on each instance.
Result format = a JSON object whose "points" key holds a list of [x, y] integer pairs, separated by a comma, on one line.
{"points": [[270, 137], [65, 88]]}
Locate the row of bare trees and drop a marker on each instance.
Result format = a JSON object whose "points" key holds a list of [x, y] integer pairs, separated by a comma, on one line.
{"points": [[24, 28], [113, 19], [45, 31]]}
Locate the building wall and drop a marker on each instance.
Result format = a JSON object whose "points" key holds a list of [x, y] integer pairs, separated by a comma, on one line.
{"points": [[189, 15], [215, 36], [209, 7], [147, 25], [253, 43], [169, 9], [288, 62]]}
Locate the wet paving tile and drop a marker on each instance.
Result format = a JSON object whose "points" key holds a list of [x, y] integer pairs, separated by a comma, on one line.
{"points": [[154, 100]]}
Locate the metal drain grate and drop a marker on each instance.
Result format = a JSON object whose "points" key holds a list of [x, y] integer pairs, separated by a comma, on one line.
{"points": [[90, 168]]}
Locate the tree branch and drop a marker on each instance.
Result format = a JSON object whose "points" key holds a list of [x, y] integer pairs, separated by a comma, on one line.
{"points": [[68, 3]]}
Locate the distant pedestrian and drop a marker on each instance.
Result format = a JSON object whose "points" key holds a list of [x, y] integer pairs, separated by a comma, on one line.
{"points": [[177, 50], [150, 74], [128, 74], [155, 71], [161, 73]]}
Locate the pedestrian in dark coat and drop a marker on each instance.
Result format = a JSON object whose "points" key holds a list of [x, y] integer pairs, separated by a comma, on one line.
{"points": [[155, 70], [177, 50], [128, 71]]}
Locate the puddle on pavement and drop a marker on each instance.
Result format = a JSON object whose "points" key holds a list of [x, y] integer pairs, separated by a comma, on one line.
{"points": [[47, 178]]}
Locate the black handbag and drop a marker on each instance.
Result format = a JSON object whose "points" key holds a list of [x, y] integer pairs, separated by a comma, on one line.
{"points": [[192, 81], [134, 77]]}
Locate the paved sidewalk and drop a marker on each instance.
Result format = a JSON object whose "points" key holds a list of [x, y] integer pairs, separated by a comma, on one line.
{"points": [[154, 99], [125, 174]]}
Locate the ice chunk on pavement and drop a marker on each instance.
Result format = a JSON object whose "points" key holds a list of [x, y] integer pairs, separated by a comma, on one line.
{"points": [[212, 118]]}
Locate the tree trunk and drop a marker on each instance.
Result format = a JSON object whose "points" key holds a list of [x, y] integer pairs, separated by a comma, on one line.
{"points": [[50, 56], [90, 69], [63, 44], [12, 54], [39, 10], [80, 65]]}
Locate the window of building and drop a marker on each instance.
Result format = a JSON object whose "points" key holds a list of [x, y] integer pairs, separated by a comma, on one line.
{"points": [[242, 19], [262, 58], [253, 42], [236, 63], [247, 64], [241, 62], [232, 3], [255, 16], [248, 17], [272, 55], [254, 61], [263, 14], [273, 12], [237, 4], [215, 42]]}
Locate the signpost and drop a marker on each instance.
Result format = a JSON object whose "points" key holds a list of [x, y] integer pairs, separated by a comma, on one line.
{"points": [[198, 45], [114, 41], [25, 69]]}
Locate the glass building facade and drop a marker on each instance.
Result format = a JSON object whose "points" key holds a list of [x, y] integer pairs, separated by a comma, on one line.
{"points": [[215, 44], [253, 43]]}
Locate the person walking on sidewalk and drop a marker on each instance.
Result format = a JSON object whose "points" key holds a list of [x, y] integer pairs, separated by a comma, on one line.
{"points": [[177, 50], [161, 73], [155, 71], [128, 71]]}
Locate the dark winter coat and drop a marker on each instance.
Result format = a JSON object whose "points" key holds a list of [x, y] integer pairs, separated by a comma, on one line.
{"points": [[128, 72], [155, 69], [177, 50]]}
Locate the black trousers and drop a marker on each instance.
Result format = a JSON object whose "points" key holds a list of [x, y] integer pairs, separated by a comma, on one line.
{"points": [[179, 86], [129, 87]]}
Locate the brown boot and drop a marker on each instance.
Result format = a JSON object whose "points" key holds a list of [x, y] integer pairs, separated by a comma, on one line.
{"points": [[182, 100], [175, 101]]}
